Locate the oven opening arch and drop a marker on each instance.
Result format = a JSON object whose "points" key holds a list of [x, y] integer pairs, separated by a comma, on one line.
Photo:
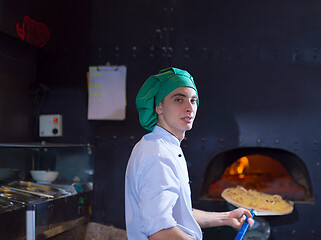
{"points": [[270, 170]]}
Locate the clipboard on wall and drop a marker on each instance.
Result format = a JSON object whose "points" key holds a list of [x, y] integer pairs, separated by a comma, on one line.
{"points": [[107, 92]]}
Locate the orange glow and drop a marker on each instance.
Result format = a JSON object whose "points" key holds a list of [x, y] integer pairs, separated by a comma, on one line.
{"points": [[259, 172], [239, 167]]}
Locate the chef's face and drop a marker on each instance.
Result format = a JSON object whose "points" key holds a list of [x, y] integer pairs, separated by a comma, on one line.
{"points": [[177, 111]]}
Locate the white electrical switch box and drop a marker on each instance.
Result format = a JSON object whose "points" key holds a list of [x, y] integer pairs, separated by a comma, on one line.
{"points": [[50, 125]]}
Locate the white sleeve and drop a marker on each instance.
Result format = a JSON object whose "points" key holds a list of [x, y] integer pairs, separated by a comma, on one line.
{"points": [[158, 187]]}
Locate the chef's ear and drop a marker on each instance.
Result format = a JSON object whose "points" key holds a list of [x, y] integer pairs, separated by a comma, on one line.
{"points": [[159, 108]]}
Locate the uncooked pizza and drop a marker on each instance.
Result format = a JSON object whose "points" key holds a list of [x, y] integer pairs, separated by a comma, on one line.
{"points": [[252, 199]]}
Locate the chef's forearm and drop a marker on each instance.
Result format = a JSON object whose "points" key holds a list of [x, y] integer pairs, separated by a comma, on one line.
{"points": [[174, 233], [234, 218], [211, 219]]}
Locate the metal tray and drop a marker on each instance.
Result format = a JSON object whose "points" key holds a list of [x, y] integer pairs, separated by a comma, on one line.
{"points": [[5, 202], [8, 204], [18, 196], [35, 188]]}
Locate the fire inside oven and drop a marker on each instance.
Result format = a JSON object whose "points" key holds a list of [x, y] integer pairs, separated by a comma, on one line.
{"points": [[273, 171]]}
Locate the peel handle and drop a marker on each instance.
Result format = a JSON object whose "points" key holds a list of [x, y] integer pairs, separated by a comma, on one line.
{"points": [[244, 227]]}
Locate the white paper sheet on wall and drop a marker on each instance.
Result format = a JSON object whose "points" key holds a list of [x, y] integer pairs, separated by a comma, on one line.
{"points": [[107, 93]]}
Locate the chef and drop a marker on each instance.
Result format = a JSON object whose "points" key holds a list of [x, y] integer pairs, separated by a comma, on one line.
{"points": [[157, 192]]}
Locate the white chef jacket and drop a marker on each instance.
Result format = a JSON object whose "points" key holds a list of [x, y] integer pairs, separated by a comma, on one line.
{"points": [[157, 191]]}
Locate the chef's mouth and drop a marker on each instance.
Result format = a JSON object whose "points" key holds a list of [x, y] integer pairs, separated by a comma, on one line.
{"points": [[187, 119]]}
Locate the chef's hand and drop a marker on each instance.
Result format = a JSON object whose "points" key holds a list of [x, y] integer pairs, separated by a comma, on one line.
{"points": [[238, 216]]}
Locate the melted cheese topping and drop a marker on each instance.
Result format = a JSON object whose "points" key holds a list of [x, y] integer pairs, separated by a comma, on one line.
{"points": [[259, 201]]}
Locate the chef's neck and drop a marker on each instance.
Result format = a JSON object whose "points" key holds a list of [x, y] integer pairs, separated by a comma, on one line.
{"points": [[180, 136]]}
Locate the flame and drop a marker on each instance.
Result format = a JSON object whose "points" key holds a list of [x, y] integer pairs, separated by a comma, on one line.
{"points": [[239, 166]]}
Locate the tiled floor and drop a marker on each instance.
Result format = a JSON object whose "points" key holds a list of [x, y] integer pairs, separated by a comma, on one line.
{"points": [[92, 231]]}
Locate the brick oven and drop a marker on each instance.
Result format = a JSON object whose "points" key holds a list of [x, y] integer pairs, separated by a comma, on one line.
{"points": [[270, 169]]}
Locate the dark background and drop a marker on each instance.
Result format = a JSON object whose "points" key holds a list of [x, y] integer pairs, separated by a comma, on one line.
{"points": [[256, 65]]}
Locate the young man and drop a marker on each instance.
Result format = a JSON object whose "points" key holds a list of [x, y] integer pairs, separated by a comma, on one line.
{"points": [[157, 191]]}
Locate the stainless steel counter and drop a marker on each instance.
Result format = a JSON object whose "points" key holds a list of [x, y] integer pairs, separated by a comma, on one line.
{"points": [[33, 211]]}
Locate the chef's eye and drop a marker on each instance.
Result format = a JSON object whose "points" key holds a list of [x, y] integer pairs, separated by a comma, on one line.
{"points": [[193, 101], [178, 100]]}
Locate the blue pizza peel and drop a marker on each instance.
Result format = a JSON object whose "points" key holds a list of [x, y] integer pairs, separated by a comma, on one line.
{"points": [[244, 227]]}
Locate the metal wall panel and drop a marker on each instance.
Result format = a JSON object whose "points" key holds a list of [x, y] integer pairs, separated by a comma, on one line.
{"points": [[17, 74], [256, 65]]}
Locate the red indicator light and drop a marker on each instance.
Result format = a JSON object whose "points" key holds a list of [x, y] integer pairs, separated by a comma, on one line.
{"points": [[55, 120]]}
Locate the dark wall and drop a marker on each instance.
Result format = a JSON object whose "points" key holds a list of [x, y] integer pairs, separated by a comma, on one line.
{"points": [[18, 71], [28, 72], [256, 65]]}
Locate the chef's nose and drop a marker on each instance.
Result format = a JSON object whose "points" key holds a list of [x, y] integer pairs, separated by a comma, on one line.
{"points": [[189, 107]]}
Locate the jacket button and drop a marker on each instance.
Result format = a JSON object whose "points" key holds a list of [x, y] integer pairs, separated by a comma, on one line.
{"points": [[179, 155]]}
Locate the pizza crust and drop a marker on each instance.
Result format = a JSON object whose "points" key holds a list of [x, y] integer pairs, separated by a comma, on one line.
{"points": [[261, 202]]}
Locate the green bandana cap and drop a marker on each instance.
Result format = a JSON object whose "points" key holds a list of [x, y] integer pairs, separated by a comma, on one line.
{"points": [[155, 89]]}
